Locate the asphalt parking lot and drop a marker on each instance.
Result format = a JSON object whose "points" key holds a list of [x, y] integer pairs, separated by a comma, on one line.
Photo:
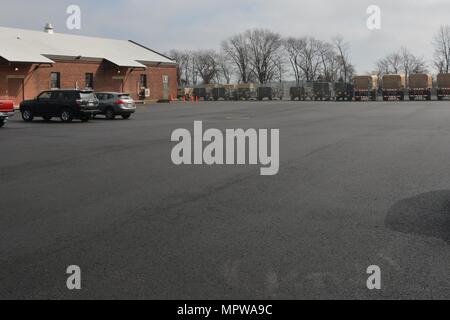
{"points": [[360, 184]]}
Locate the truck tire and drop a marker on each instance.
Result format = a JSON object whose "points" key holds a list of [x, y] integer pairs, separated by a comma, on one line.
{"points": [[27, 115], [66, 116]]}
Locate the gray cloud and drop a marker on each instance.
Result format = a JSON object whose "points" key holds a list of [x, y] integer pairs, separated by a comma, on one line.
{"points": [[204, 23]]}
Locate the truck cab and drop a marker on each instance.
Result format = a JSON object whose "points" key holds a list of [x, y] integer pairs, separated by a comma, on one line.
{"points": [[6, 111]]}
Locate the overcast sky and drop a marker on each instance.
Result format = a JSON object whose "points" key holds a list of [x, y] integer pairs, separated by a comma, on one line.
{"points": [[166, 24]]}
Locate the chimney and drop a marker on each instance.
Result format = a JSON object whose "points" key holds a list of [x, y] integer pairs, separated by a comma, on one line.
{"points": [[49, 28]]}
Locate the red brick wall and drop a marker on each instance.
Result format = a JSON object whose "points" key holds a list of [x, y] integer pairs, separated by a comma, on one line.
{"points": [[37, 78]]}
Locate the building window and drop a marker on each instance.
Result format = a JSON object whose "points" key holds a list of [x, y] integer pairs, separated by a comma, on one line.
{"points": [[143, 81], [55, 80], [89, 81]]}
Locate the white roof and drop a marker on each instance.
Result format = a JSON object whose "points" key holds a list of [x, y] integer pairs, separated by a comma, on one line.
{"points": [[18, 45]]}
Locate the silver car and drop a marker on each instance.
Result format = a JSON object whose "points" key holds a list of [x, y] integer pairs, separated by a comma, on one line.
{"points": [[114, 104]]}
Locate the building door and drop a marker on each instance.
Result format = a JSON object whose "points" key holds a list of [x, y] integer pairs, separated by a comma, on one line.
{"points": [[165, 87], [117, 85], [16, 91]]}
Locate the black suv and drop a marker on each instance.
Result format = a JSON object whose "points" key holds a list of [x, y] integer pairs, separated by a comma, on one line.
{"points": [[64, 104]]}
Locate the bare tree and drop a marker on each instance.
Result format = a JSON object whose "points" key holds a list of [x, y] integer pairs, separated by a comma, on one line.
{"points": [[237, 49], [391, 64], [193, 72], [264, 46], [329, 61], [412, 64], [346, 68], [309, 58], [206, 65], [280, 67], [292, 49], [441, 44], [225, 72], [402, 61], [183, 60]]}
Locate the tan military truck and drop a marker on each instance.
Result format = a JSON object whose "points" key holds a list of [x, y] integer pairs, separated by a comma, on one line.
{"points": [[443, 86], [393, 86], [420, 86], [365, 87]]}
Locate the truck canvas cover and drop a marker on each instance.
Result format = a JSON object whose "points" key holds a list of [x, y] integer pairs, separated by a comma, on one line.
{"points": [[366, 82], [394, 82], [420, 81], [443, 80]]}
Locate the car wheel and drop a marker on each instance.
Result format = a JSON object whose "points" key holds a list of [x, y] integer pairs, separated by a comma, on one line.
{"points": [[47, 118], [126, 116], [109, 114], [2, 123], [85, 118], [27, 115], [66, 116]]}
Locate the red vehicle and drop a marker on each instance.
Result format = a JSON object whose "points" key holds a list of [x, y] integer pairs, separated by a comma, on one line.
{"points": [[6, 110]]}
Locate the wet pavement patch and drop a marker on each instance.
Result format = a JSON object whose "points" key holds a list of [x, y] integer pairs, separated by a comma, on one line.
{"points": [[427, 214]]}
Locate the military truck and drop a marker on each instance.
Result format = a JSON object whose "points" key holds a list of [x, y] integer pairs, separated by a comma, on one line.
{"points": [[246, 92], [365, 87], [296, 93], [219, 93], [301, 93], [393, 86], [277, 92], [443, 86], [230, 92], [265, 93], [323, 91], [199, 93], [343, 91], [420, 86]]}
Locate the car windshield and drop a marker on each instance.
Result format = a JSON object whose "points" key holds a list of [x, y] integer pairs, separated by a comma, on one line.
{"points": [[87, 96]]}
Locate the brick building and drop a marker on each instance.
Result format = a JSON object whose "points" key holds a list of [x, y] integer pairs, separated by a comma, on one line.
{"points": [[33, 61]]}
